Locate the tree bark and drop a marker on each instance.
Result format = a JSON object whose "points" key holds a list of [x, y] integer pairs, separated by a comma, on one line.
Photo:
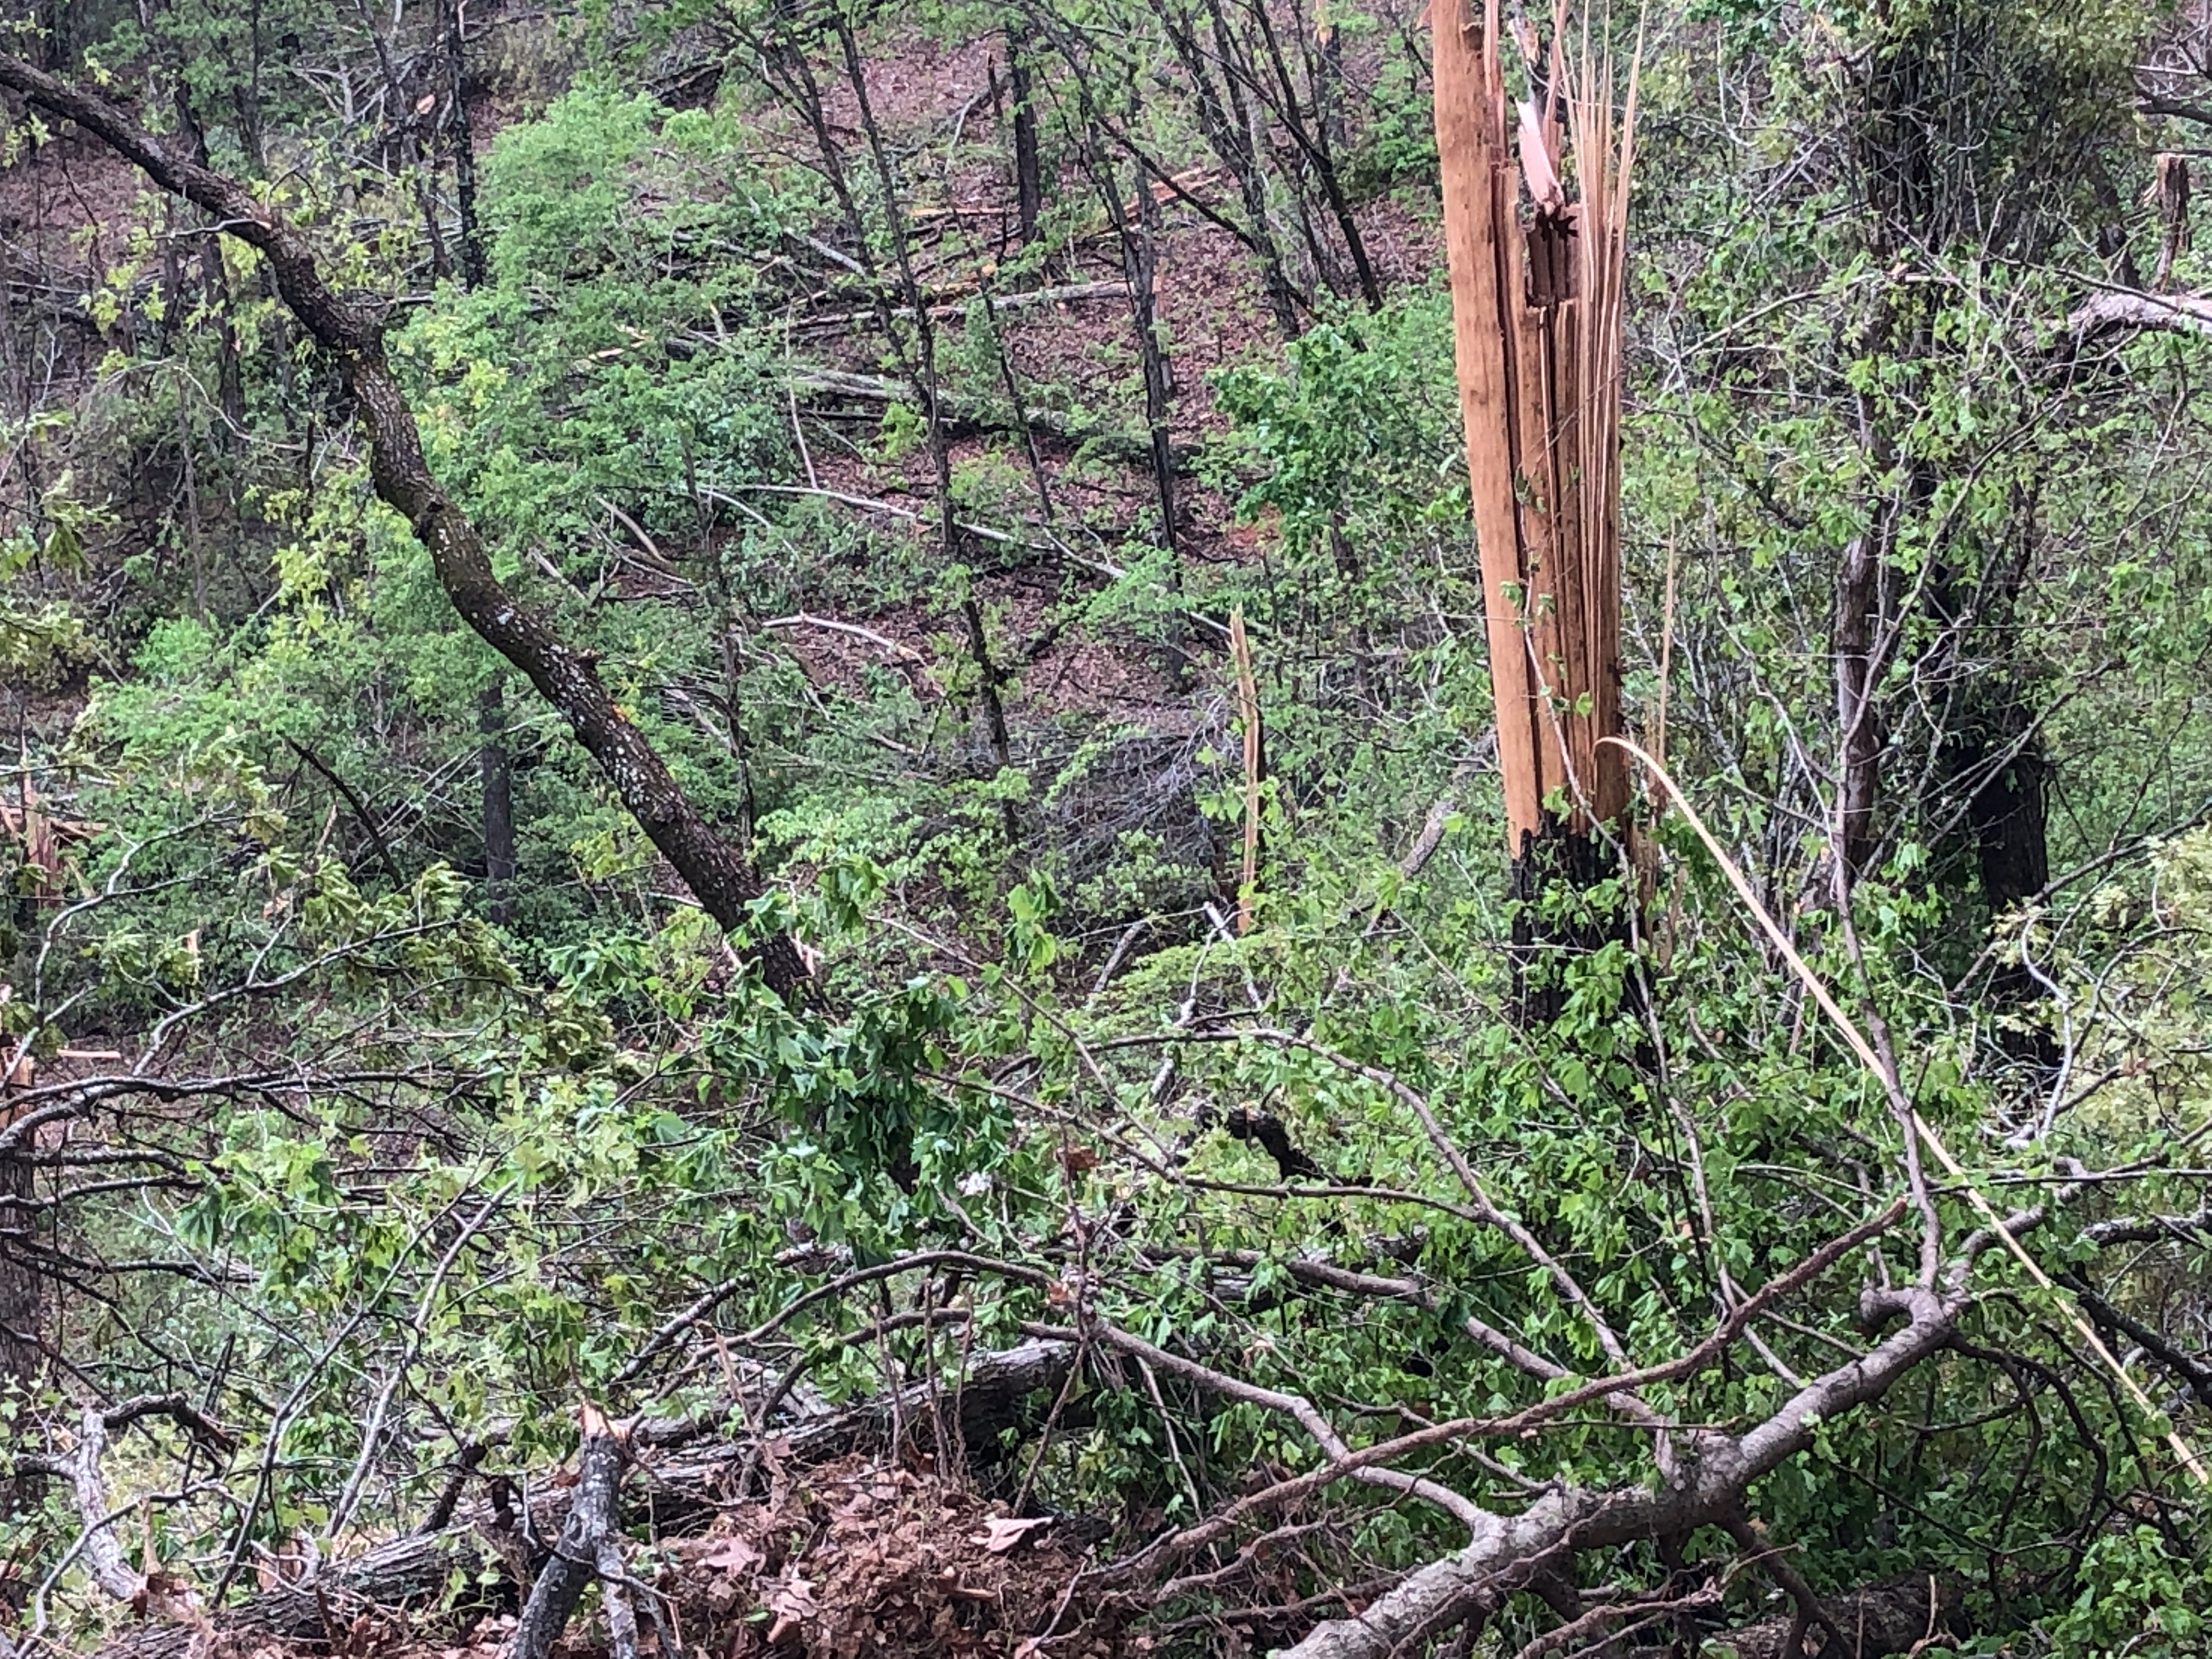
{"points": [[21, 1282], [929, 386], [1029, 160], [22, 1299], [1858, 610], [463, 143], [719, 875], [594, 1521], [1718, 1471], [498, 770]]}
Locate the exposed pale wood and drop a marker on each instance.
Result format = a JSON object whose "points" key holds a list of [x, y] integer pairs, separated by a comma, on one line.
{"points": [[2124, 308], [1536, 319]]}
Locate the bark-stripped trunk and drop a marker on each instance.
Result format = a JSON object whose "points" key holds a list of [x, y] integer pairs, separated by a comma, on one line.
{"points": [[720, 875], [1536, 315]]}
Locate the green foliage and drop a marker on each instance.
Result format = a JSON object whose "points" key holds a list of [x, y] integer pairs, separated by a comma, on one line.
{"points": [[385, 1135]]}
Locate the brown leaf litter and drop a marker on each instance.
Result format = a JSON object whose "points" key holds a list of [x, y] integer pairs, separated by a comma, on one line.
{"points": [[859, 1560]]}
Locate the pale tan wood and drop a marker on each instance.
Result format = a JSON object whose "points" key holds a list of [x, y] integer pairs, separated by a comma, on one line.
{"points": [[1536, 333]]}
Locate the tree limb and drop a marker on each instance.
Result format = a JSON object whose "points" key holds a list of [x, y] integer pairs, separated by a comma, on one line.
{"points": [[351, 330], [2124, 308], [593, 1525], [1714, 1476]]}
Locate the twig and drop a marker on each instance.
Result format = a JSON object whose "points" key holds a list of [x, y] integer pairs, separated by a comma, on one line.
{"points": [[2002, 1231]]}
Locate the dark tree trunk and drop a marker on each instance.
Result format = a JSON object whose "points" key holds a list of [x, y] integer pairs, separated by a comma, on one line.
{"points": [[22, 1302], [1319, 149], [21, 1285], [22, 1299], [463, 143], [2001, 761], [1859, 610], [1222, 114], [215, 283], [1029, 160], [1140, 267], [498, 774], [2009, 816], [720, 874], [1555, 920], [922, 370]]}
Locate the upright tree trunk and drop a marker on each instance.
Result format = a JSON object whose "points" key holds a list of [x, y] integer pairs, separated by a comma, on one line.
{"points": [[2008, 813], [1222, 113], [21, 1285], [463, 143], [922, 369], [1858, 615], [1028, 161], [22, 1300], [497, 772], [1536, 316]]}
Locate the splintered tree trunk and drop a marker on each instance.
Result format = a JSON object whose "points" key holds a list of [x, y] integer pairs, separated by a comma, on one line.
{"points": [[1536, 317]]}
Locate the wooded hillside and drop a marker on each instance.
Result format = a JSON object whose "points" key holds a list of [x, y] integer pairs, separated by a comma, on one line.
{"points": [[1062, 829]]}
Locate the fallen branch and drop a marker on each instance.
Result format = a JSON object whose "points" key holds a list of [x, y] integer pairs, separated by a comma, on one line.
{"points": [[1897, 1616], [98, 1544], [690, 1479], [2126, 308], [1069, 294], [963, 415], [589, 1537], [1717, 1471]]}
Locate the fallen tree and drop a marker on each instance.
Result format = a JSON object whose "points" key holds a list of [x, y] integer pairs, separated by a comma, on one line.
{"points": [[692, 1463]]}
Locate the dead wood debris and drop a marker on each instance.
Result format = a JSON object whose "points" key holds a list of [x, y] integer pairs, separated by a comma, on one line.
{"points": [[858, 1559]]}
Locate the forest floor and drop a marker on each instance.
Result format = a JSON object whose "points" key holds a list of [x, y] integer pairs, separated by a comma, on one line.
{"points": [[880, 1555]]}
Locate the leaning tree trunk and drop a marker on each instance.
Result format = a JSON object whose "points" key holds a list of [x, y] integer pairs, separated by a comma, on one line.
{"points": [[720, 874], [1536, 319]]}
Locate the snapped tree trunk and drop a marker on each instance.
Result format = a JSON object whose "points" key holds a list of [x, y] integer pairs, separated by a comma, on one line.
{"points": [[720, 874], [1536, 322]]}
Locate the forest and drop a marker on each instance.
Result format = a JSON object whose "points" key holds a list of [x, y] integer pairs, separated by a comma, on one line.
{"points": [[1073, 828]]}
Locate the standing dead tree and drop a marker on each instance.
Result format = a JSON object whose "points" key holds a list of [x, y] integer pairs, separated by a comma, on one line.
{"points": [[720, 873], [1536, 323]]}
